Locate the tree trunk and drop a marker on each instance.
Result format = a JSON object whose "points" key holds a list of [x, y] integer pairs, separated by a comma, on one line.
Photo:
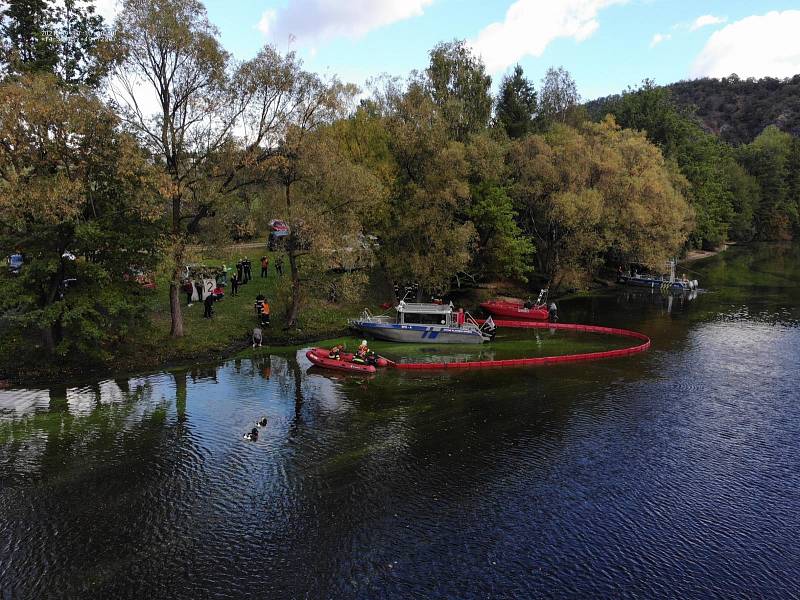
{"points": [[49, 340], [51, 334], [176, 315], [294, 311]]}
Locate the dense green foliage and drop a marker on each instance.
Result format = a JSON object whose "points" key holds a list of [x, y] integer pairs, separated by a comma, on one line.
{"points": [[64, 38], [516, 105], [77, 197], [773, 159], [459, 87], [737, 192]]}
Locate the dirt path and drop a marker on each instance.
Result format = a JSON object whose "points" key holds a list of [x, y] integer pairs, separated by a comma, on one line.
{"points": [[199, 247], [694, 255]]}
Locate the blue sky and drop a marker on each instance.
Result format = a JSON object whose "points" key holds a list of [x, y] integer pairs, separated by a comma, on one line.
{"points": [[607, 45]]}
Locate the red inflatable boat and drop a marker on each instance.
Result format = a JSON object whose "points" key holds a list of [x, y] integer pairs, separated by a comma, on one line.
{"points": [[515, 310], [319, 356]]}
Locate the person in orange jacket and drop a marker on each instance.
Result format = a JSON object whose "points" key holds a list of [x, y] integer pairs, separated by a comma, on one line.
{"points": [[265, 313]]}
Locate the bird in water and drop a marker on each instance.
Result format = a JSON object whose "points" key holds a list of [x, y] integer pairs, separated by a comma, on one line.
{"points": [[262, 422], [252, 435]]}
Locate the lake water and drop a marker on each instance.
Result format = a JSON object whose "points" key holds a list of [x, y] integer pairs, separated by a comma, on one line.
{"points": [[672, 473]]}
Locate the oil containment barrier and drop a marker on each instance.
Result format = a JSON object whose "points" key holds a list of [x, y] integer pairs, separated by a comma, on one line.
{"points": [[543, 360]]}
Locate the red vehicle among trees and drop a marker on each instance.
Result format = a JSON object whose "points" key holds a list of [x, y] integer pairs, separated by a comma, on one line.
{"points": [[278, 230]]}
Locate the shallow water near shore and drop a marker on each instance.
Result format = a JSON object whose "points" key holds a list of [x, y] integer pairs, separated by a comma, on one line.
{"points": [[672, 473]]}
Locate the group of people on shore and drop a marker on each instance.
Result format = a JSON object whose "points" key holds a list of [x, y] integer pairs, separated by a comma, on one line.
{"points": [[244, 272], [242, 275]]}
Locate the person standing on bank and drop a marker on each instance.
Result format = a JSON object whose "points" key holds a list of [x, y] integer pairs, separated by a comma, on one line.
{"points": [[279, 265], [188, 289], [265, 313], [248, 274], [234, 285], [207, 306], [264, 266], [240, 271]]}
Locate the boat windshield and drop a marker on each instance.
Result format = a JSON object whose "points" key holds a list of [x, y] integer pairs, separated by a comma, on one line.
{"points": [[424, 319]]}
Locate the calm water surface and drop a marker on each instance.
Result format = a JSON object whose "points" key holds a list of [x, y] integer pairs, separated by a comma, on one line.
{"points": [[674, 473]]}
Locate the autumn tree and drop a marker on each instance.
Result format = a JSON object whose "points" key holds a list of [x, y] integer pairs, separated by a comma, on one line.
{"points": [[333, 203], [600, 191], [702, 158], [80, 201], [214, 128], [425, 237], [315, 104], [171, 88]]}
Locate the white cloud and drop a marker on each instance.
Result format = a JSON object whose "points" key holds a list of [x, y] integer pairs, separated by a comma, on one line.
{"points": [[531, 25], [658, 38], [706, 20], [314, 21], [108, 9], [755, 46], [268, 17]]}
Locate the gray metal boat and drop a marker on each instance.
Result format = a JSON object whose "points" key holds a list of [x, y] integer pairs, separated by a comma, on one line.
{"points": [[663, 282], [426, 323]]}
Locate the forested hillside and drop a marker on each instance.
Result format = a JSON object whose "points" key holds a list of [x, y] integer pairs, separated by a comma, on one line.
{"points": [[740, 192], [737, 110]]}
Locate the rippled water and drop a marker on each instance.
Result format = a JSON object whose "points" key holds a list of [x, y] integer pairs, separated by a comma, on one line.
{"points": [[673, 473]]}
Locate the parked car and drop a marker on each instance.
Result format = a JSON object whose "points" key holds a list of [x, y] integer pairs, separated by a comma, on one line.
{"points": [[15, 262], [278, 230]]}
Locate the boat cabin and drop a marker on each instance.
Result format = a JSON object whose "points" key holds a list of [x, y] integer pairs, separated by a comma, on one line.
{"points": [[424, 314]]}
